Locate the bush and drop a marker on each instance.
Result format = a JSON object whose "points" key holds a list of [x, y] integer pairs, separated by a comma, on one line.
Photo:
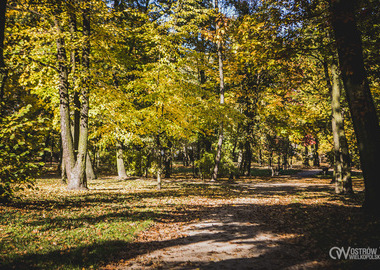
{"points": [[206, 164], [20, 145]]}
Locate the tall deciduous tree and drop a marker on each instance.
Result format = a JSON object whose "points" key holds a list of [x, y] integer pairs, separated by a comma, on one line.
{"points": [[78, 173], [64, 101], [342, 167], [363, 112], [219, 47]]}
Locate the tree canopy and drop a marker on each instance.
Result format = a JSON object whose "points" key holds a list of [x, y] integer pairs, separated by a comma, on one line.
{"points": [[219, 85]]}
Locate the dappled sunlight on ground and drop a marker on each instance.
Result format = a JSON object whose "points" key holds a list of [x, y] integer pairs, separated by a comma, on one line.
{"points": [[259, 222]]}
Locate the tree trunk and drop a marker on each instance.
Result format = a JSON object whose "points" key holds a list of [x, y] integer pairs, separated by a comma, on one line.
{"points": [[343, 183], [221, 83], [148, 164], [363, 112], [90, 173], [315, 152], [240, 163], [337, 176], [159, 181], [62, 169], [248, 157], [234, 158], [270, 162], [67, 141], [74, 58], [168, 162], [260, 157], [306, 157], [218, 154], [159, 170], [120, 160], [160, 154], [78, 178]]}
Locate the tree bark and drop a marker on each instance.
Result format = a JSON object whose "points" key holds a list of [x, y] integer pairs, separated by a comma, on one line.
{"points": [[120, 160], [74, 63], [260, 157], [343, 183], [363, 112], [159, 162], [185, 156], [221, 84], [168, 162], [315, 152], [248, 156], [78, 178], [240, 163], [270, 162], [67, 141], [306, 157], [218, 155], [90, 173]]}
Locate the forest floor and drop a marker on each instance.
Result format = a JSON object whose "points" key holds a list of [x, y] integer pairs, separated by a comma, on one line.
{"points": [[283, 222], [288, 223]]}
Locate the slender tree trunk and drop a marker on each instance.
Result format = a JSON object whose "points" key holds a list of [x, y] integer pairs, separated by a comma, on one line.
{"points": [[218, 156], [306, 157], [260, 157], [271, 162], [78, 178], [120, 160], [90, 173], [185, 157], [285, 161], [159, 180], [248, 157], [342, 163], [363, 112], [240, 164], [234, 158], [343, 183], [159, 171], [337, 176], [148, 164], [67, 141], [97, 158], [221, 82], [315, 152], [159, 162], [291, 161], [74, 58], [168, 162]]}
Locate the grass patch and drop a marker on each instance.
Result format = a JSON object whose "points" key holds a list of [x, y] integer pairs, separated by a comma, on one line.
{"points": [[50, 228]]}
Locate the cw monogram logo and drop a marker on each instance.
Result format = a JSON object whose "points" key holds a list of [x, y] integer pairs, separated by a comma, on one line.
{"points": [[337, 252]]}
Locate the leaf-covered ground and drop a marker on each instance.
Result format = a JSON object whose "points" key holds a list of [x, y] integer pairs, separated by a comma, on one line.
{"points": [[251, 223]]}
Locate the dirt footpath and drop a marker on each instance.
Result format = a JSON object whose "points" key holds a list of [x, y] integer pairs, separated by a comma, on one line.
{"points": [[223, 242], [234, 236]]}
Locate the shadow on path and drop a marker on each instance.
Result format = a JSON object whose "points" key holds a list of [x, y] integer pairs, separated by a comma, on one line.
{"points": [[258, 229]]}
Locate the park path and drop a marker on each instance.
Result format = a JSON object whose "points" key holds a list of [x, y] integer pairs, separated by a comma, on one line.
{"points": [[231, 236]]}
